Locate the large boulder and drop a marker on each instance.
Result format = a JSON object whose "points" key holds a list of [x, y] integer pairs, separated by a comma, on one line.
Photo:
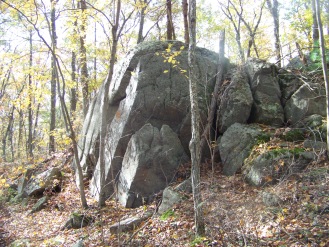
{"points": [[274, 165], [235, 101], [50, 179], [145, 89], [149, 164], [235, 146], [289, 84], [172, 196], [264, 84], [308, 100]]}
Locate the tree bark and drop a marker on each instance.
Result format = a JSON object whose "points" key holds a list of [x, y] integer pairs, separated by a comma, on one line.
{"points": [[315, 27], [84, 77], [185, 17], [301, 54], [206, 136], [170, 26], [66, 115], [324, 64], [274, 10], [195, 124], [30, 111], [73, 99], [7, 134], [53, 78], [141, 22]]}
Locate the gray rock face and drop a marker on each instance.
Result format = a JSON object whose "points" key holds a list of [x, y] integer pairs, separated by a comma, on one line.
{"points": [[48, 179], [41, 203], [172, 196], [264, 83], [149, 164], [307, 100], [24, 180], [271, 199], [146, 90], [130, 223], [271, 167], [77, 221], [235, 146], [289, 85], [235, 102]]}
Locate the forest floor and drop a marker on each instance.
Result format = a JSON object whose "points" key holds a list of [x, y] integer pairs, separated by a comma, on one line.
{"points": [[235, 215]]}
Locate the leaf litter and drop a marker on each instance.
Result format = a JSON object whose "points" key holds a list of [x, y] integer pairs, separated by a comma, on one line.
{"points": [[234, 212]]}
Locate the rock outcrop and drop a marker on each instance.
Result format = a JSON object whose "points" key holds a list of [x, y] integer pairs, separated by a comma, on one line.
{"points": [[49, 179], [149, 165], [235, 101], [145, 89], [235, 146], [264, 84], [148, 119]]}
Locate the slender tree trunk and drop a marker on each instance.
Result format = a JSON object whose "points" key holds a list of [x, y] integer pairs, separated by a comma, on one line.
{"points": [[30, 111], [66, 114], [274, 10], [206, 136], [73, 99], [195, 123], [301, 54], [185, 17], [249, 48], [170, 25], [20, 133], [141, 22], [95, 58], [5, 136], [315, 27], [53, 78], [35, 124], [83, 57], [8, 135], [102, 141], [324, 64]]}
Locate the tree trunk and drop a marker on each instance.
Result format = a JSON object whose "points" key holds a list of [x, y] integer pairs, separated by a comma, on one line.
{"points": [[274, 10], [30, 111], [20, 133], [53, 79], [315, 27], [195, 123], [301, 54], [7, 134], [73, 99], [141, 22], [206, 136], [324, 64], [67, 119], [170, 25], [83, 57], [185, 17]]}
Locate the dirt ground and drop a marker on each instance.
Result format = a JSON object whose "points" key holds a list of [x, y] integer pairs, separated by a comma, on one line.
{"points": [[234, 213]]}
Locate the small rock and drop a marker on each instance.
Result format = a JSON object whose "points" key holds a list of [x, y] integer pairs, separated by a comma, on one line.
{"points": [[129, 224], [77, 221], [39, 205], [78, 244], [270, 199], [20, 243]]}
